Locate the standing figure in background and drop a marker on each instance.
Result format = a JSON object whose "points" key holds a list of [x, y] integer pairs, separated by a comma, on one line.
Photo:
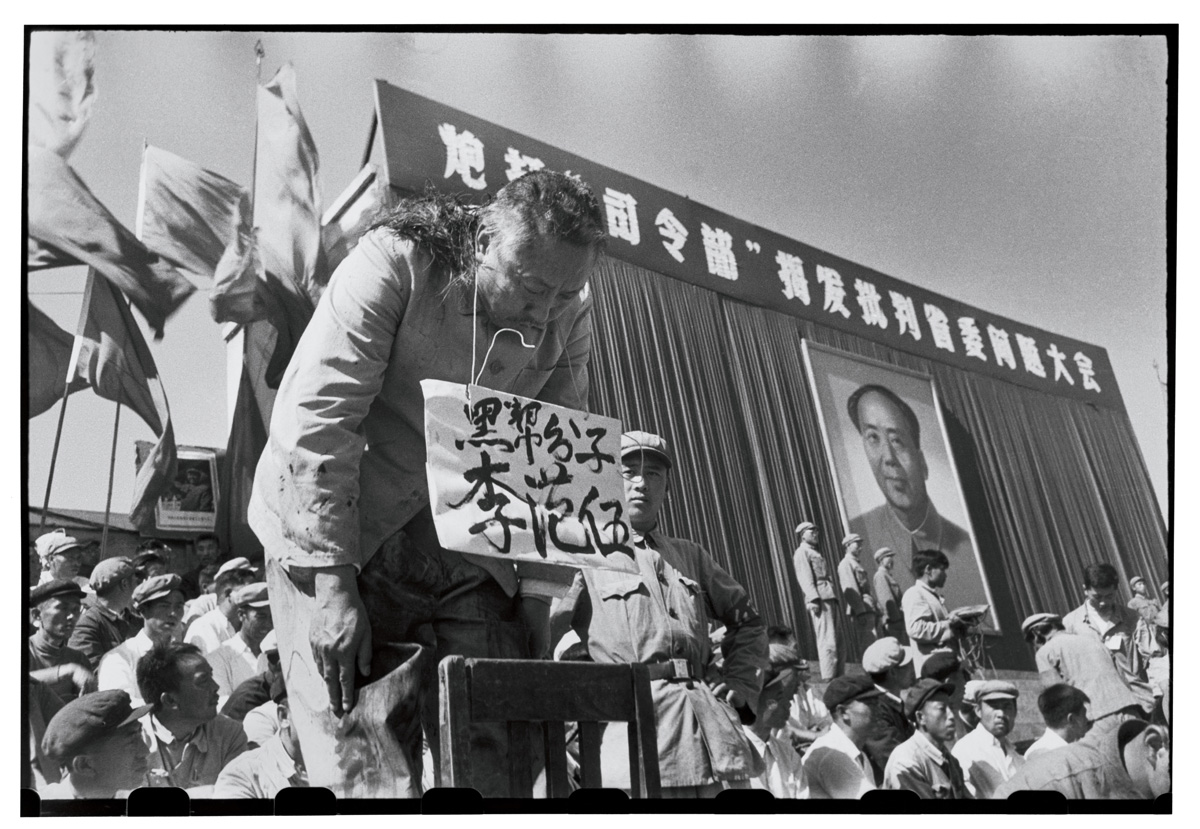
{"points": [[820, 596], [888, 596], [856, 593], [930, 625]]}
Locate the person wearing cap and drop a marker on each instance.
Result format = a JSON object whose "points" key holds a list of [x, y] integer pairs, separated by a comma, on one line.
{"points": [[256, 690], [160, 602], [931, 627], [1103, 617], [61, 556], [341, 499], [856, 592], [820, 597], [189, 741], [54, 608], [1141, 595], [1064, 710], [835, 765], [207, 552], [660, 616], [1081, 662], [985, 754], [784, 772], [946, 667], [890, 666], [923, 763], [240, 657], [219, 625], [1129, 762], [109, 621], [888, 596], [96, 740]]}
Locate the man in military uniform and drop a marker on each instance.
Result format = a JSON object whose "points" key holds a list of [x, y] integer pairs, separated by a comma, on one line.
{"points": [[888, 596], [820, 595], [856, 592]]}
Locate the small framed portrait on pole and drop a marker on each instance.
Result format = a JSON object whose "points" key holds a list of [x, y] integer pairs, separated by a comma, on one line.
{"points": [[190, 502]]}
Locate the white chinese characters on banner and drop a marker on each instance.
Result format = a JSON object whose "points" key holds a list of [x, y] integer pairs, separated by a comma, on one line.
{"points": [[1030, 355], [939, 325], [906, 314], [868, 301], [520, 164], [971, 338], [1060, 368], [464, 155], [718, 250], [835, 291], [515, 478], [791, 274], [622, 216], [673, 231], [1001, 346]]}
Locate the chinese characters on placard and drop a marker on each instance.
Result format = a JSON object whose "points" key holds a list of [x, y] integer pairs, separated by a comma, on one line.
{"points": [[979, 340], [517, 478]]}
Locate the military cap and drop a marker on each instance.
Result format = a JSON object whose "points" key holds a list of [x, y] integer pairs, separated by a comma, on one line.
{"points": [[845, 689], [110, 571], [882, 553], [994, 689], [155, 587], [1036, 619], [55, 588], [83, 721], [251, 595], [239, 563], [885, 653], [939, 665], [850, 538], [805, 525], [55, 542], [920, 693], [146, 556], [651, 444], [1136, 580]]}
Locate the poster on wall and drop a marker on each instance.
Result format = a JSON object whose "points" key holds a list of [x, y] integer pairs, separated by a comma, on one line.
{"points": [[190, 503], [895, 475]]}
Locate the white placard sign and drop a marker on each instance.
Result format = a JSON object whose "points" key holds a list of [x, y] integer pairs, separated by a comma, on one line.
{"points": [[515, 478]]}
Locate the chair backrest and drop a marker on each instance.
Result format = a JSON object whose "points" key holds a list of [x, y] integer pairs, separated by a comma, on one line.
{"points": [[523, 692]]}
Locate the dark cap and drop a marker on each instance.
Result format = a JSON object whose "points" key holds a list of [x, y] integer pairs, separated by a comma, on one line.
{"points": [[53, 589], [939, 665], [845, 689], [920, 693], [146, 556], [155, 588], [110, 571], [83, 721], [650, 444]]}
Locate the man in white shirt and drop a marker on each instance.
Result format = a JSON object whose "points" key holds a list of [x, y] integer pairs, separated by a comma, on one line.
{"points": [[988, 759], [263, 772], [784, 774], [931, 627], [1064, 708], [835, 765], [160, 602], [241, 657], [220, 624]]}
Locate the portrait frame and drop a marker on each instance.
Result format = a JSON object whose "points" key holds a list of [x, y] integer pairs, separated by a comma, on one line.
{"points": [[864, 508], [186, 507]]}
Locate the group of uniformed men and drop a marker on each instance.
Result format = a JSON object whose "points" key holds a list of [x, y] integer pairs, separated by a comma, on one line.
{"points": [[357, 578]]}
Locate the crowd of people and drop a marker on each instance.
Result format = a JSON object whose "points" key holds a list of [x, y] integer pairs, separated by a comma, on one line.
{"points": [[144, 676]]}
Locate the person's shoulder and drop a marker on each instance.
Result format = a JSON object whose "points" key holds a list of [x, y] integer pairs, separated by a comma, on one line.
{"points": [[226, 727]]}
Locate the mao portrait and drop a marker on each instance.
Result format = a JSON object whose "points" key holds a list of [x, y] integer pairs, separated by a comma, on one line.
{"points": [[893, 468]]}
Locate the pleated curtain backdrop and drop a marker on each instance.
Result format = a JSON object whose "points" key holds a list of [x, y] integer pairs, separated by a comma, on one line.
{"points": [[1051, 484]]}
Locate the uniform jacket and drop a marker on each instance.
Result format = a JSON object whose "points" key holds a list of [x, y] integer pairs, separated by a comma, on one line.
{"points": [[344, 465], [888, 595], [856, 588], [197, 759], [917, 765], [1120, 640], [663, 613], [98, 631], [812, 572], [1084, 663], [891, 729]]}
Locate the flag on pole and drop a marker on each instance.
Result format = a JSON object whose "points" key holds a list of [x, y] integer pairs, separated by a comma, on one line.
{"points": [[201, 222], [111, 355], [69, 226], [49, 361]]}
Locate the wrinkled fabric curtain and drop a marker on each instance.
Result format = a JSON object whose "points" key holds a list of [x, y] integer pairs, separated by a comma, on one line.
{"points": [[1051, 484]]}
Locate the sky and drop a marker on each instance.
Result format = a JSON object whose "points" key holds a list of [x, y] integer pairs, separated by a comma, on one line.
{"points": [[1025, 176]]}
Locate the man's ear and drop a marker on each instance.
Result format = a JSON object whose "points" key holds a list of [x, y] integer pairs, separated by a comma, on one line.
{"points": [[1153, 746], [82, 766], [482, 243]]}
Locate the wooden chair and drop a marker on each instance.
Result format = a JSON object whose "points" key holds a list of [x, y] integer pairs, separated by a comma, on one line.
{"points": [[522, 692]]}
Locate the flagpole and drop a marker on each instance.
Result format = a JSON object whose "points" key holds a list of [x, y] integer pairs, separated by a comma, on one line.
{"points": [[259, 54], [112, 466], [62, 415]]}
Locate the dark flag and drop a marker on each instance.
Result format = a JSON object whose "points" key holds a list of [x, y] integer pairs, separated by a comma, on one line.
{"points": [[49, 361]]}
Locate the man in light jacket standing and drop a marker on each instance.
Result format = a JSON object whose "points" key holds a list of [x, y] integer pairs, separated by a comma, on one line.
{"points": [[820, 596]]}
